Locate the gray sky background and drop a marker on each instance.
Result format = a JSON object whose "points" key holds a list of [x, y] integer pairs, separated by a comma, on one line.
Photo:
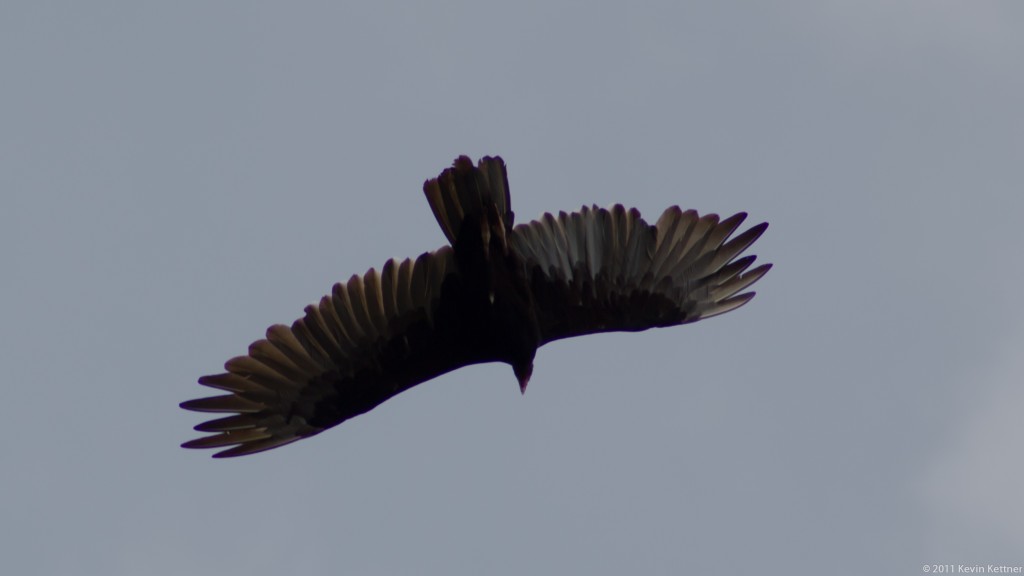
{"points": [[175, 177]]}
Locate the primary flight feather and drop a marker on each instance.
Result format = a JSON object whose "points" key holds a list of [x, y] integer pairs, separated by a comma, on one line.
{"points": [[496, 294]]}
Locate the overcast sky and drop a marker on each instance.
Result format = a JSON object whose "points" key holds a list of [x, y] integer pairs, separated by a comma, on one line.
{"points": [[175, 177]]}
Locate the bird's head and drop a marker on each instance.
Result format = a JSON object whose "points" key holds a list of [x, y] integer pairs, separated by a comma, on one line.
{"points": [[523, 372]]}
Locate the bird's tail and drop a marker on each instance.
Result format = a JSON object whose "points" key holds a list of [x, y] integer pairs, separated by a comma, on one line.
{"points": [[466, 189]]}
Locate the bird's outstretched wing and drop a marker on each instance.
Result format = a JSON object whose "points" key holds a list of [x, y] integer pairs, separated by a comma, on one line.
{"points": [[373, 337], [603, 270]]}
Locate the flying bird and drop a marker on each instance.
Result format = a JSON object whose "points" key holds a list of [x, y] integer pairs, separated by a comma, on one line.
{"points": [[495, 294]]}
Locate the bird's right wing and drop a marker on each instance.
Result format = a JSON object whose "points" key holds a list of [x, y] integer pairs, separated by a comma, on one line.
{"points": [[603, 270], [373, 337]]}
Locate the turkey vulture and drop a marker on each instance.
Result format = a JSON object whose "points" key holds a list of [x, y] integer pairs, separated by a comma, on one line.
{"points": [[496, 294]]}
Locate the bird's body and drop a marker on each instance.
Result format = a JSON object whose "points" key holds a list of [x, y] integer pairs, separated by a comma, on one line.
{"points": [[496, 294]]}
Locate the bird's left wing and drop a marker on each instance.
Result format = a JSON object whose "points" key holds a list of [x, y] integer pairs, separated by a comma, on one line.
{"points": [[371, 338], [603, 270]]}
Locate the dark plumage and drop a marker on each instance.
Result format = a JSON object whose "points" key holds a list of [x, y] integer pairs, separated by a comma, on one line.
{"points": [[495, 295]]}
